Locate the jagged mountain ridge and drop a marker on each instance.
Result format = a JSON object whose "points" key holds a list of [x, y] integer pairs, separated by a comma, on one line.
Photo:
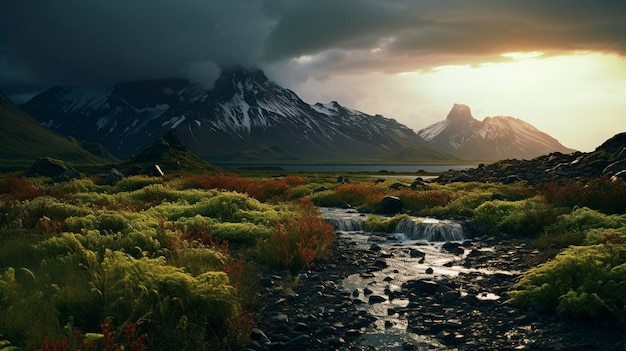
{"points": [[492, 139], [243, 113], [22, 138]]}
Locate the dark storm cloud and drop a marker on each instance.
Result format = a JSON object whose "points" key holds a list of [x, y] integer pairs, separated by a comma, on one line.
{"points": [[98, 42], [401, 35]]}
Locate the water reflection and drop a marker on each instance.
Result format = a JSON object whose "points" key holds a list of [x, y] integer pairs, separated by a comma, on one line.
{"points": [[416, 251]]}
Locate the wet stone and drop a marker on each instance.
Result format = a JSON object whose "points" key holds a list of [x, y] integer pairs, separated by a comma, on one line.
{"points": [[376, 299], [435, 309], [415, 253]]}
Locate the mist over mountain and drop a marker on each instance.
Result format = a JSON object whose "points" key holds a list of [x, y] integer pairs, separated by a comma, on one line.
{"points": [[492, 139], [244, 117]]}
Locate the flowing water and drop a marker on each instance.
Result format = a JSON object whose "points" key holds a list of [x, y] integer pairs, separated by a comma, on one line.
{"points": [[415, 250]]}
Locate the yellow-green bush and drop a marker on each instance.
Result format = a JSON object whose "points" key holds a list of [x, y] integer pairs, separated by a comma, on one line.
{"points": [[197, 261], [375, 223], [582, 226], [240, 233], [582, 219], [183, 311], [529, 216], [463, 204], [136, 182], [581, 282]]}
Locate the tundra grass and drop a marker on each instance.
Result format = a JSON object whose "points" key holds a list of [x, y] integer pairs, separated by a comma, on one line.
{"points": [[141, 252]]}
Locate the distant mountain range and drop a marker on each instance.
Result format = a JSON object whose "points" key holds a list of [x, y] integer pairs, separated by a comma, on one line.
{"points": [[24, 139], [246, 118], [492, 139]]}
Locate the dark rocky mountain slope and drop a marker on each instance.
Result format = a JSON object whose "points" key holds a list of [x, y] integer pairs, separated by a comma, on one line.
{"points": [[244, 117], [23, 139], [608, 160]]}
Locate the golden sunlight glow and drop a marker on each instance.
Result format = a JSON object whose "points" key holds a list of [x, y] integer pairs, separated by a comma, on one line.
{"points": [[575, 98], [522, 55]]}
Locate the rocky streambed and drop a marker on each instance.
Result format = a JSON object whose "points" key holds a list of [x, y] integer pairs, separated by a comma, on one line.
{"points": [[398, 292]]}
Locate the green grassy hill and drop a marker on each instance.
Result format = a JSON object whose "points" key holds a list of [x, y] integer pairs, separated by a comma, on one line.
{"points": [[170, 154], [22, 140]]}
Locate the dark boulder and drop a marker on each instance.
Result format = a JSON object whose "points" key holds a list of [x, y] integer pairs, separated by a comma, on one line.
{"points": [[453, 248], [112, 177], [397, 186], [46, 167], [615, 167], [154, 171], [418, 184], [133, 170], [391, 205], [343, 180], [619, 175], [68, 175]]}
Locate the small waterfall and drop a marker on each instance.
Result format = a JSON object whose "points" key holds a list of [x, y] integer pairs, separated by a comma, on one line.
{"points": [[343, 220], [430, 229], [347, 224]]}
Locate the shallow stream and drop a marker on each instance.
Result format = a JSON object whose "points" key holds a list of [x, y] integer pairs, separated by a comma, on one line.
{"points": [[416, 250]]}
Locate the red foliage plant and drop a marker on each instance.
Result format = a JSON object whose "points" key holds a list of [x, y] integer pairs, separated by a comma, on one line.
{"points": [[295, 244], [129, 340], [600, 194], [359, 193], [260, 189], [193, 237], [16, 188]]}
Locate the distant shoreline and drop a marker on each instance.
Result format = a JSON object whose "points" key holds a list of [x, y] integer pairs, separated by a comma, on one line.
{"points": [[371, 168]]}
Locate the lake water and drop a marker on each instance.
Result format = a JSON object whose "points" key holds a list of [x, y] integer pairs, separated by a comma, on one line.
{"points": [[370, 168]]}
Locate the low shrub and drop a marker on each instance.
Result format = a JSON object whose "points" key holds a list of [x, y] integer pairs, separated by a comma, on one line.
{"points": [[523, 217], [197, 261], [268, 189], [583, 219], [463, 204], [16, 188], [240, 233], [600, 194], [296, 243], [375, 223], [133, 183], [582, 226], [422, 200], [185, 311], [581, 282], [128, 338], [365, 196]]}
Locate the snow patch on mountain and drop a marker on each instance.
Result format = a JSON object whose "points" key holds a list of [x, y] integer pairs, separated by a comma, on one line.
{"points": [[84, 98], [432, 131], [154, 111], [244, 111]]}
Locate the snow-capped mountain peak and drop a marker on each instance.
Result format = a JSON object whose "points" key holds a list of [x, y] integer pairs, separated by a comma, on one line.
{"points": [[243, 113], [494, 138], [459, 113]]}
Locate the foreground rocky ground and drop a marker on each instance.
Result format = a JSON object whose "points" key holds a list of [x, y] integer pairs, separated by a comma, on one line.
{"points": [[316, 312]]}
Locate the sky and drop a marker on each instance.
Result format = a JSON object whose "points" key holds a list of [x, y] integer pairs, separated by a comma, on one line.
{"points": [[560, 65]]}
